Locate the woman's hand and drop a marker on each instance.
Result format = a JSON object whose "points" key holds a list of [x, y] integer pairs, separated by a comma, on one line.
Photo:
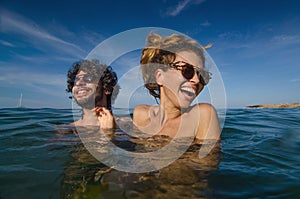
{"points": [[105, 118]]}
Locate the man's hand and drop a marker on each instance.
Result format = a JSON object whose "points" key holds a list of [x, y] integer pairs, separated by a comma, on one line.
{"points": [[105, 118]]}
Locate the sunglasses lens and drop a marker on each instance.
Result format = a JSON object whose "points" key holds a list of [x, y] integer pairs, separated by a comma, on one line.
{"points": [[76, 80], [188, 72], [85, 78], [203, 77]]}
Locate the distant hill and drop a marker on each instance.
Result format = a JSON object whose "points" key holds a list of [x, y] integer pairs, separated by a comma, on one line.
{"points": [[285, 105]]}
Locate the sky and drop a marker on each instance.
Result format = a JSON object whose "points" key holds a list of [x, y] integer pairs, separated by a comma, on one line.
{"points": [[255, 45]]}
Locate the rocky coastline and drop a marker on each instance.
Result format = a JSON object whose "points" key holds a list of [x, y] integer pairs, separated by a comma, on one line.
{"points": [[285, 105]]}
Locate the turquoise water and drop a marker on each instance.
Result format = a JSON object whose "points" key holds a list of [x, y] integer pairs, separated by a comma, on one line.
{"points": [[258, 157]]}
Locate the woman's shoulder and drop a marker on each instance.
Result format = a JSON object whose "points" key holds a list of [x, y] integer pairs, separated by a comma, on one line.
{"points": [[208, 123], [204, 108], [141, 111], [201, 113], [141, 108], [141, 114]]}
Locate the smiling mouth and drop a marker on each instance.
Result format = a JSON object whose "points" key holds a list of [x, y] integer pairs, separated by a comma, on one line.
{"points": [[82, 92], [188, 91]]}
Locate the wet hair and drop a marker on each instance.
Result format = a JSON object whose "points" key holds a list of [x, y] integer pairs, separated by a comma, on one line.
{"points": [[107, 78], [160, 52]]}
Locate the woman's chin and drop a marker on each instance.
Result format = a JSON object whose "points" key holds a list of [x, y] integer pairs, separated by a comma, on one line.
{"points": [[185, 105], [185, 101]]}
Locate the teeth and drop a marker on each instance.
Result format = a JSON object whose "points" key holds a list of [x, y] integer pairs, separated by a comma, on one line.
{"points": [[188, 89], [81, 92]]}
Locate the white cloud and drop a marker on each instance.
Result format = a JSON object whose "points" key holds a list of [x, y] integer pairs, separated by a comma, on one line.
{"points": [[91, 37], [206, 24], [20, 25], [50, 84], [175, 10], [256, 42], [34, 79], [39, 89], [5, 43], [295, 80], [286, 39]]}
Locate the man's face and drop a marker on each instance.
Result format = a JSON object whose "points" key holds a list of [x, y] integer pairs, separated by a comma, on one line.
{"points": [[84, 90]]}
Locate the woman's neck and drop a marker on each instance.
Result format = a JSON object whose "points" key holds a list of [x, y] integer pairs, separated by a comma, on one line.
{"points": [[170, 111]]}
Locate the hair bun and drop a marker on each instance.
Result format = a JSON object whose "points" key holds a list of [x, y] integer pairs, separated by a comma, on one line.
{"points": [[208, 46], [154, 40]]}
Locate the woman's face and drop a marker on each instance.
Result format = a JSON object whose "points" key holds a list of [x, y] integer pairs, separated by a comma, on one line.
{"points": [[177, 89]]}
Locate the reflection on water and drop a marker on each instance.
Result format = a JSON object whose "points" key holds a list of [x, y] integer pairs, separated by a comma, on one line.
{"points": [[86, 177]]}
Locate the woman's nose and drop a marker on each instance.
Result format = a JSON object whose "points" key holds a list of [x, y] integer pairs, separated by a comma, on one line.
{"points": [[195, 78]]}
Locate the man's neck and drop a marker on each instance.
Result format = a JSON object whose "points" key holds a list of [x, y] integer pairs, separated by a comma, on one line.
{"points": [[89, 117]]}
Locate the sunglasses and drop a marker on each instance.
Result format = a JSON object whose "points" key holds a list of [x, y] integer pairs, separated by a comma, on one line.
{"points": [[188, 72], [86, 78]]}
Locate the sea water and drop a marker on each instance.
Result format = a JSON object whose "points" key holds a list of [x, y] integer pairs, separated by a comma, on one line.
{"points": [[258, 157]]}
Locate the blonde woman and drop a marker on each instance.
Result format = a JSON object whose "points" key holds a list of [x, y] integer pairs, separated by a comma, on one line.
{"points": [[173, 72]]}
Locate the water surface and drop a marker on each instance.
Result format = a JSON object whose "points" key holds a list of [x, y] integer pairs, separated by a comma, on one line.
{"points": [[258, 157]]}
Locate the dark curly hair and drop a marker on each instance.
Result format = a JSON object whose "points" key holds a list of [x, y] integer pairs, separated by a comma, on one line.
{"points": [[107, 78]]}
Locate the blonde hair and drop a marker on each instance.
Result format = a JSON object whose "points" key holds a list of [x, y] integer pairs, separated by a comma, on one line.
{"points": [[160, 52]]}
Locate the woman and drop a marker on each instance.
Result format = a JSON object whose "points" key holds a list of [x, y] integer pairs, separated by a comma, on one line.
{"points": [[173, 71]]}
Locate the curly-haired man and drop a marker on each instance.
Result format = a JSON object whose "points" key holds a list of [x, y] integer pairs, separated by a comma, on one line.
{"points": [[94, 87]]}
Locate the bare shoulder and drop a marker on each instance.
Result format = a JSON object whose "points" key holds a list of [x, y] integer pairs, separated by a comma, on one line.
{"points": [[141, 114], [208, 125], [77, 123], [206, 109], [141, 110]]}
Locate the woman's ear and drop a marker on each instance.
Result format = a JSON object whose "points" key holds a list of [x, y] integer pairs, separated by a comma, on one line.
{"points": [[159, 76]]}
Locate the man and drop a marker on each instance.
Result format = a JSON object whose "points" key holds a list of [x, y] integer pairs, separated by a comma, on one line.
{"points": [[93, 86]]}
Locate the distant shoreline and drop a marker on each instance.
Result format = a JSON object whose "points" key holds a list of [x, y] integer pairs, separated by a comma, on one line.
{"points": [[285, 105]]}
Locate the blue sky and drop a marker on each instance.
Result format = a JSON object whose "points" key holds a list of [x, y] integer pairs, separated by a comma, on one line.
{"points": [[256, 44]]}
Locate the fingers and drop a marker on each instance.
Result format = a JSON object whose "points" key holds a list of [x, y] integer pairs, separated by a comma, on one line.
{"points": [[105, 117], [106, 111], [101, 111], [98, 111]]}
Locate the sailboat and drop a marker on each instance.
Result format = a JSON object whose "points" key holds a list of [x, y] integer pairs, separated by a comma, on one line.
{"points": [[20, 105]]}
